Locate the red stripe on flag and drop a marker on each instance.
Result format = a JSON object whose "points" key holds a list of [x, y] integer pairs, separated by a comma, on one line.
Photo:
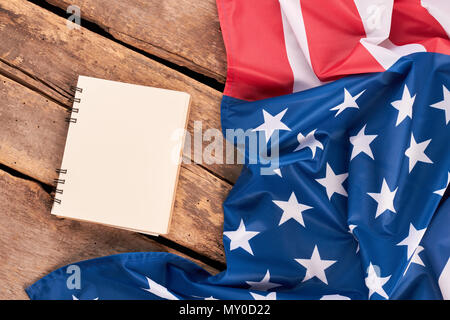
{"points": [[258, 66], [334, 29], [411, 23]]}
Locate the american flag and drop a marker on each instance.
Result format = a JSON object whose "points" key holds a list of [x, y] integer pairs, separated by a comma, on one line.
{"points": [[355, 96]]}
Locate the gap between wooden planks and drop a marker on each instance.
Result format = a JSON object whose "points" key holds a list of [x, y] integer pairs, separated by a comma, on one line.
{"points": [[184, 32], [34, 243], [39, 46], [42, 54]]}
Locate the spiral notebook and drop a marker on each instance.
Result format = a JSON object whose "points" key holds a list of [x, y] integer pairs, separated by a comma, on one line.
{"points": [[122, 155]]}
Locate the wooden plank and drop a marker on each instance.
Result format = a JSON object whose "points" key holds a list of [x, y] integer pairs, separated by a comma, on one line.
{"points": [[32, 138], [40, 46], [33, 131], [36, 38], [35, 243], [184, 32]]}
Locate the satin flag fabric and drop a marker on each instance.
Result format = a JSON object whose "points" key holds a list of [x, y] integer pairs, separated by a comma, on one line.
{"points": [[355, 207], [279, 47]]}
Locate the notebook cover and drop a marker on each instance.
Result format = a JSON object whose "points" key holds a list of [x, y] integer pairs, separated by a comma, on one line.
{"points": [[123, 155]]}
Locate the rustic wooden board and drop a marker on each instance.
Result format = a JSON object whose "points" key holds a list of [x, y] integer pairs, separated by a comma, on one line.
{"points": [[40, 58], [34, 243], [40, 46], [184, 32], [42, 54], [32, 138]]}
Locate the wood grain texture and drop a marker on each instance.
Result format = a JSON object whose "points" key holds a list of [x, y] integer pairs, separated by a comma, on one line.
{"points": [[32, 139], [184, 32], [34, 243], [33, 131], [41, 47], [44, 58]]}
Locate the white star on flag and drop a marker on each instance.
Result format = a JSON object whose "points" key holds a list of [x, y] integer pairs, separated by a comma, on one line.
{"points": [[205, 298], [333, 182], [385, 199], [349, 102], [272, 123], [264, 284], [375, 283], [415, 258], [269, 296], [240, 238], [292, 209], [159, 290], [416, 152], [412, 240], [334, 297], [361, 143], [75, 298], [442, 191], [444, 104], [404, 105], [278, 172], [309, 141], [315, 266]]}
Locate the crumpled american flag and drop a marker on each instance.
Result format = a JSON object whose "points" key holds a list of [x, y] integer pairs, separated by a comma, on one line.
{"points": [[355, 97]]}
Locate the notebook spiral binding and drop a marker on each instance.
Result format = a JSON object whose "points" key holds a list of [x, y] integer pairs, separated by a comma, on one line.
{"points": [[74, 100], [59, 181], [69, 120]]}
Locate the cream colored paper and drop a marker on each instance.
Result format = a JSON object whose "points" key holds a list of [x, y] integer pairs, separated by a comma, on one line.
{"points": [[119, 155]]}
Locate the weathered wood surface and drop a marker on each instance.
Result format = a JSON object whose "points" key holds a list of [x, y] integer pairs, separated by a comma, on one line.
{"points": [[37, 44], [32, 138], [34, 243], [184, 32], [40, 58], [42, 54]]}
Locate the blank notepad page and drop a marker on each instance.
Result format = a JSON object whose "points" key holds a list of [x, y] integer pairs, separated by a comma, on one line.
{"points": [[122, 155]]}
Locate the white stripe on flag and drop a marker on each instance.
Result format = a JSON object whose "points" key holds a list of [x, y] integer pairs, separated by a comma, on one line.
{"points": [[376, 18], [387, 53], [297, 46], [440, 10]]}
